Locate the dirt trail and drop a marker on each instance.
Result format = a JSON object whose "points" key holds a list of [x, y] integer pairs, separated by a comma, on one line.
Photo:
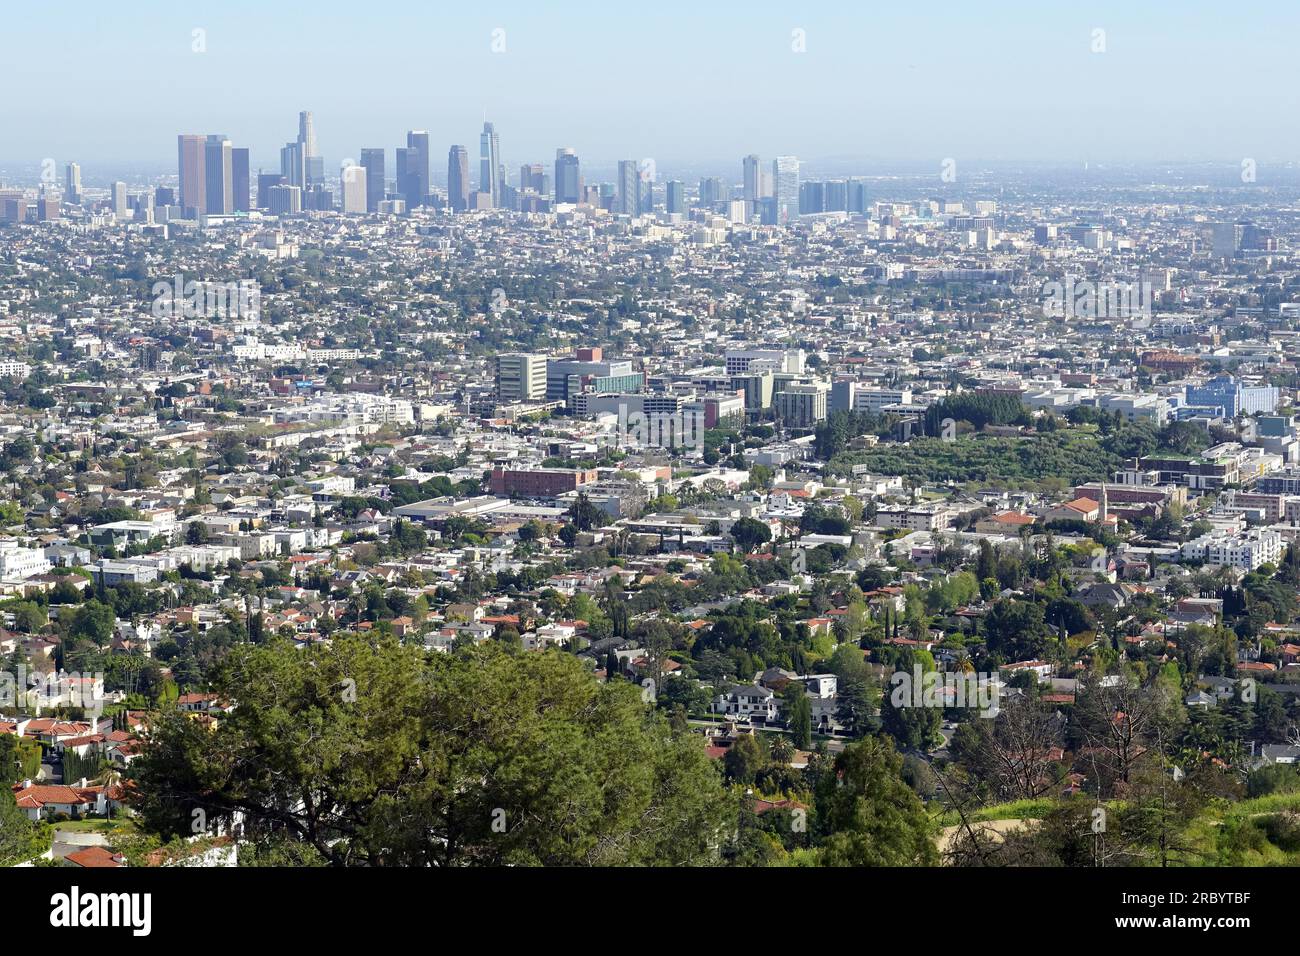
{"points": [[1001, 827]]}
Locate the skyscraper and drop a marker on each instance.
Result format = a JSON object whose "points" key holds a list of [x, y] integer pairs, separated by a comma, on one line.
{"points": [[372, 160], [265, 181], [283, 200], [710, 191], [72, 183], [489, 166], [629, 188], [292, 165], [750, 166], [532, 176], [189, 153], [119, 201], [568, 176], [352, 187], [676, 198], [413, 169], [239, 179], [458, 178], [1225, 239], [218, 167], [307, 133], [785, 182], [312, 162]]}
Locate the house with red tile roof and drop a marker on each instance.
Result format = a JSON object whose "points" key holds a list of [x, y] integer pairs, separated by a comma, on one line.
{"points": [[40, 801], [95, 857]]}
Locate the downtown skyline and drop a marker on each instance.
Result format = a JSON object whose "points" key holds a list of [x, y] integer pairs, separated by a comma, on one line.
{"points": [[882, 85]]}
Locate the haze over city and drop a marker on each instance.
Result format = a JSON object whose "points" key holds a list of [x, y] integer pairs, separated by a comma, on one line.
{"points": [[683, 82]]}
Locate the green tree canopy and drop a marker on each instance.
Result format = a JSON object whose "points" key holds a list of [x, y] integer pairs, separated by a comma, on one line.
{"points": [[379, 754]]}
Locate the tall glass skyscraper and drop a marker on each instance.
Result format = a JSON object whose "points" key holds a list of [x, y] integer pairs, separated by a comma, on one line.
{"points": [[189, 159], [293, 165], [413, 169], [629, 188], [489, 165], [568, 176], [312, 161], [219, 185], [372, 160], [240, 179], [676, 197], [785, 182], [72, 183], [750, 167], [458, 178]]}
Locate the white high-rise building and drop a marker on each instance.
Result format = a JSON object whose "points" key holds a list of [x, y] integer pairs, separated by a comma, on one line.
{"points": [[352, 188]]}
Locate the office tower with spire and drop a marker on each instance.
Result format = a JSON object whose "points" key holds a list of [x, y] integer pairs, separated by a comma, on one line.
{"points": [[458, 178], [489, 166], [72, 183], [568, 176], [193, 177], [313, 162], [413, 169], [785, 183], [219, 185], [372, 160]]}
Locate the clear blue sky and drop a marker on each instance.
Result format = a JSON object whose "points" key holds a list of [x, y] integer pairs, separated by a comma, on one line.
{"points": [[701, 81]]}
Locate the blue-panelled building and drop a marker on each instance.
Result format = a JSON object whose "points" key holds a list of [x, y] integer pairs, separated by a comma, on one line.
{"points": [[1227, 393]]}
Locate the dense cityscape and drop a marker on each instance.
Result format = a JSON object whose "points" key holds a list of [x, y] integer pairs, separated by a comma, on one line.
{"points": [[569, 513]]}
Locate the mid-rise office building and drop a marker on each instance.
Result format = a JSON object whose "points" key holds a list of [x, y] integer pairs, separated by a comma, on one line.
{"points": [[740, 361], [802, 404], [284, 200], [588, 371], [539, 482], [521, 377]]}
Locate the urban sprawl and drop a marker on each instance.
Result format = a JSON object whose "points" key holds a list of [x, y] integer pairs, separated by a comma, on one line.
{"points": [[557, 515]]}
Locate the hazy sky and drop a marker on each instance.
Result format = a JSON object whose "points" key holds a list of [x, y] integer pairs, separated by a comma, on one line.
{"points": [[115, 82]]}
